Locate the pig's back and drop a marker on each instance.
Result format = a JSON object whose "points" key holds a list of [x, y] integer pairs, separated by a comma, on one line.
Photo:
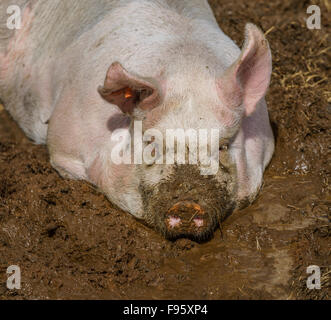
{"points": [[74, 40], [58, 23], [148, 36]]}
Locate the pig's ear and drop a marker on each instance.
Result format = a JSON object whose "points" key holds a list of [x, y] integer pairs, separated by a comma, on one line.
{"points": [[247, 80], [128, 91]]}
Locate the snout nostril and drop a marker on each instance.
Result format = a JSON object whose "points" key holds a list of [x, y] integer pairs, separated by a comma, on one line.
{"points": [[173, 221], [198, 222]]}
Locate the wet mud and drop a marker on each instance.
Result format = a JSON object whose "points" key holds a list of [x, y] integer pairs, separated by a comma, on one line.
{"points": [[72, 243]]}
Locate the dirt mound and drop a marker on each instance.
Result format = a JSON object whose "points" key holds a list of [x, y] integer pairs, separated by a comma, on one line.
{"points": [[70, 242]]}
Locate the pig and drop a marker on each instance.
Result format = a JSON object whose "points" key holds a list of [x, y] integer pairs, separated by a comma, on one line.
{"points": [[77, 71]]}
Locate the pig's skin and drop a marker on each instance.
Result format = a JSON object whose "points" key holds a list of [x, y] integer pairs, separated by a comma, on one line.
{"points": [[50, 71]]}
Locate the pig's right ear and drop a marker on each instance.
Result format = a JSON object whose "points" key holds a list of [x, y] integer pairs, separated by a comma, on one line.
{"points": [[247, 80], [128, 91]]}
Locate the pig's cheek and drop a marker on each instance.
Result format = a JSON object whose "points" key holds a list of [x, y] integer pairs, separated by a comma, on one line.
{"points": [[102, 174], [119, 182], [228, 119], [152, 175], [94, 172], [69, 168]]}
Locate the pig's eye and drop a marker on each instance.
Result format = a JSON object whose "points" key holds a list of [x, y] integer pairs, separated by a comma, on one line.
{"points": [[224, 147]]}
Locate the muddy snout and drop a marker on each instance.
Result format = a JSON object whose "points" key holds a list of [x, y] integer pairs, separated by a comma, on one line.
{"points": [[186, 217]]}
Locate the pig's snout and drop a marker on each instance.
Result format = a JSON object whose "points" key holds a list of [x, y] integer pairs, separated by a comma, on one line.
{"points": [[186, 204], [185, 218]]}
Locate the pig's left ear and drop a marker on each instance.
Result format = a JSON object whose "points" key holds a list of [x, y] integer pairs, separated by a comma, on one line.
{"points": [[128, 91], [247, 80]]}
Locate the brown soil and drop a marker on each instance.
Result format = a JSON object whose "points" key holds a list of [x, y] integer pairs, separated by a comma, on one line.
{"points": [[70, 242]]}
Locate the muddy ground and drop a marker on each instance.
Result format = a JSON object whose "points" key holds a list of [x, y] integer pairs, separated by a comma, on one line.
{"points": [[71, 243]]}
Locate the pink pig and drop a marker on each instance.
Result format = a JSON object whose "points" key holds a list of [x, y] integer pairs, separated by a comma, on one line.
{"points": [[79, 71]]}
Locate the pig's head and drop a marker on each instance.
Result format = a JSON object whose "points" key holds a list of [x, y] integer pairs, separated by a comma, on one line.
{"points": [[177, 198]]}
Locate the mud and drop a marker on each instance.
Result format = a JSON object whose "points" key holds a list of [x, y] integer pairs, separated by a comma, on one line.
{"points": [[186, 184], [71, 243]]}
